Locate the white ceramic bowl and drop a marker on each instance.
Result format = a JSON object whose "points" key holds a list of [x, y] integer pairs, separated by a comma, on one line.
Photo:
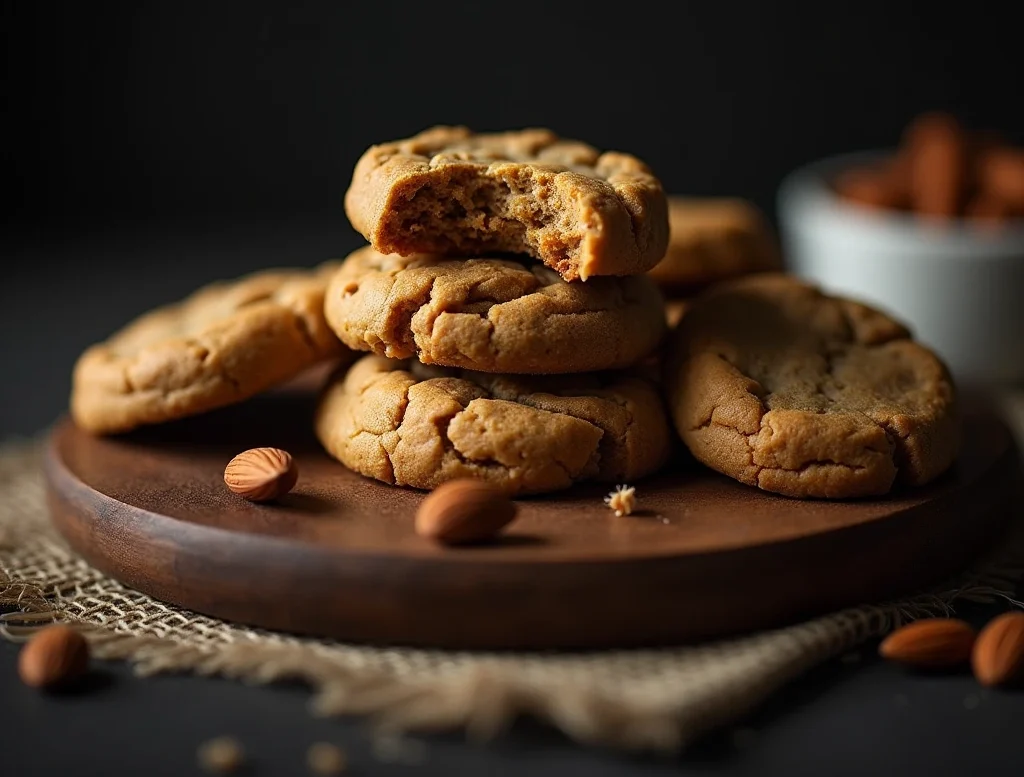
{"points": [[959, 288]]}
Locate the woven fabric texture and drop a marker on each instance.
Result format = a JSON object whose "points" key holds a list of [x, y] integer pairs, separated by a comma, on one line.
{"points": [[641, 699]]}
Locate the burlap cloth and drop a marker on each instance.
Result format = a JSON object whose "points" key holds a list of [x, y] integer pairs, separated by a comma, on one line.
{"points": [[654, 699]]}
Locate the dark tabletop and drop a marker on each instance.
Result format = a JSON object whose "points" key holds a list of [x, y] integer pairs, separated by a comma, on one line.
{"points": [[854, 716]]}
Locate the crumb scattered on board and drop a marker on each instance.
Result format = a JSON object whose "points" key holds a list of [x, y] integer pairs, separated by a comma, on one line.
{"points": [[622, 500], [221, 755], [326, 759]]}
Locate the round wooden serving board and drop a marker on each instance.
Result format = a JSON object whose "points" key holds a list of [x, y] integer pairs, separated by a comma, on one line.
{"points": [[705, 557]]}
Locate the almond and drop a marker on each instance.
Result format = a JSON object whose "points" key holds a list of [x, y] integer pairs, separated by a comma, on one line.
{"points": [[464, 511], [936, 146], [930, 643], [261, 474], [998, 656], [875, 187], [53, 657], [1001, 173]]}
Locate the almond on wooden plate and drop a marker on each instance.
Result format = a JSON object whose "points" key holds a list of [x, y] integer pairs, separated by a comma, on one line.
{"points": [[998, 655], [930, 643], [464, 511], [261, 474]]}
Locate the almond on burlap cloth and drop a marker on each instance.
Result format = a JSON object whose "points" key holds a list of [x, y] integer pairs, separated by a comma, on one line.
{"points": [[643, 699]]}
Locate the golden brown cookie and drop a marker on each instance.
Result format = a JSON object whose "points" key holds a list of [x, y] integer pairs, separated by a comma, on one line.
{"points": [[224, 343], [451, 192], [492, 315], [780, 386], [413, 425], [711, 240]]}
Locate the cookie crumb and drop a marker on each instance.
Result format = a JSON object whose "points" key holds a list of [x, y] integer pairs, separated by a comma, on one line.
{"points": [[622, 500], [221, 755], [326, 759]]}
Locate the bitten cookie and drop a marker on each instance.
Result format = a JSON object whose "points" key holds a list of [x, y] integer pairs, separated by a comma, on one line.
{"points": [[449, 191], [782, 387], [224, 343], [492, 315], [412, 425], [714, 239]]}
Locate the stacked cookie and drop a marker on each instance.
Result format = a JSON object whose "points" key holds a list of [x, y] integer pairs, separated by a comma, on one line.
{"points": [[509, 309], [504, 302], [712, 239]]}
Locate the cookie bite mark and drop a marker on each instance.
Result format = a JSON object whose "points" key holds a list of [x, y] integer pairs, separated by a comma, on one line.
{"points": [[471, 211], [492, 315], [451, 192], [784, 388], [526, 435]]}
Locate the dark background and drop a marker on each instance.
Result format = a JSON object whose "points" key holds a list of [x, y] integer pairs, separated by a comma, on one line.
{"points": [[148, 148], [206, 113], [151, 147]]}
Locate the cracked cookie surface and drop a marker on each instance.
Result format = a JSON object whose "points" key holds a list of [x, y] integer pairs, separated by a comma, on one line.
{"points": [[412, 425], [452, 192], [222, 344], [779, 386], [492, 315], [714, 239]]}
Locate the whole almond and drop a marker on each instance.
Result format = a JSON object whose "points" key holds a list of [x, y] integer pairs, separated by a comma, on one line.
{"points": [[867, 187], [883, 185], [936, 146], [930, 643], [1001, 173], [464, 511], [261, 474], [998, 655], [53, 657]]}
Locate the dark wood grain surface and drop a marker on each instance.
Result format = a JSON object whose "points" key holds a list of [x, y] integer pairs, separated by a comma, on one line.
{"points": [[703, 557]]}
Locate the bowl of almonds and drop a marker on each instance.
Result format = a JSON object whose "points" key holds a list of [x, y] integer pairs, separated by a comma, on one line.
{"points": [[931, 231]]}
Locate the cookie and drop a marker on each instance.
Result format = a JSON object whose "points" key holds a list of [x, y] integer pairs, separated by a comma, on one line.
{"points": [[492, 315], [453, 192], [413, 425], [711, 240], [224, 343], [779, 386]]}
